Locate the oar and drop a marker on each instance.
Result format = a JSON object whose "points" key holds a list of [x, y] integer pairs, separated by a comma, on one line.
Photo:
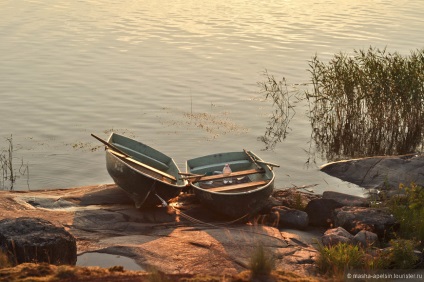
{"points": [[251, 158], [111, 146], [189, 174], [267, 163], [256, 161], [124, 155]]}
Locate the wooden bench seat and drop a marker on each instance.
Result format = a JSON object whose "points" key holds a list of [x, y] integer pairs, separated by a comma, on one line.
{"points": [[238, 186], [222, 176]]}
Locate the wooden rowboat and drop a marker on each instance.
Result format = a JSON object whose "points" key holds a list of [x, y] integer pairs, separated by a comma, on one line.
{"points": [[252, 182], [141, 171]]}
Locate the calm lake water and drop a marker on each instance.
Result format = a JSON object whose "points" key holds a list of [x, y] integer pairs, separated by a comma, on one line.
{"points": [[180, 76]]}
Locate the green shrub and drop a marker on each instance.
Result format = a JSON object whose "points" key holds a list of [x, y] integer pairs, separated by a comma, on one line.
{"points": [[409, 211], [402, 254], [335, 260]]}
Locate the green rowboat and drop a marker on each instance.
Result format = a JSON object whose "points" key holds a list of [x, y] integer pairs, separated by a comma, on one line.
{"points": [[142, 172], [240, 194]]}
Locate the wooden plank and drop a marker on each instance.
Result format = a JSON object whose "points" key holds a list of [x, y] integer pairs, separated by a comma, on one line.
{"points": [[210, 166], [146, 171], [197, 178], [256, 161], [267, 163], [238, 186], [144, 165]]}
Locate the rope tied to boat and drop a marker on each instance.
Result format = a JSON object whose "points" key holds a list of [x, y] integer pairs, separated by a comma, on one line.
{"points": [[219, 226]]}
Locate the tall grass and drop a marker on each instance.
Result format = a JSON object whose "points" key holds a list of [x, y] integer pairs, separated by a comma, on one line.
{"points": [[371, 103], [261, 263]]}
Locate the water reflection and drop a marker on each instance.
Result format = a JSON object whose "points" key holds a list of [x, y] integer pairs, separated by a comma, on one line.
{"points": [[107, 260]]}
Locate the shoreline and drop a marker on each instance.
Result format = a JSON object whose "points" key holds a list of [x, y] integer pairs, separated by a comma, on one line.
{"points": [[104, 220]]}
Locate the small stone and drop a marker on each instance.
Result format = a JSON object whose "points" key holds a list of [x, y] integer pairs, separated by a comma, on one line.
{"points": [[291, 218], [321, 212], [366, 239], [336, 235]]}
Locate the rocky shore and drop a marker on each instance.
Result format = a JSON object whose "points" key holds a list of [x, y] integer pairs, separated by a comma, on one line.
{"points": [[183, 238]]}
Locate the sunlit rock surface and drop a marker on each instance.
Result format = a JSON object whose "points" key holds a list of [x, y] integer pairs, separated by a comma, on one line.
{"points": [[171, 239], [379, 172]]}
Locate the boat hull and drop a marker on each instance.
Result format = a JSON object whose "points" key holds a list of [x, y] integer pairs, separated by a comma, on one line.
{"points": [[141, 187], [242, 203], [236, 205]]}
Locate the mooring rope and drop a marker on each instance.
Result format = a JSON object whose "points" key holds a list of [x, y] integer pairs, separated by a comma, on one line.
{"points": [[220, 226]]}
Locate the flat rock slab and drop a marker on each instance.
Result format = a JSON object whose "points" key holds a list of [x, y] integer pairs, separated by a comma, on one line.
{"points": [[171, 239], [379, 172]]}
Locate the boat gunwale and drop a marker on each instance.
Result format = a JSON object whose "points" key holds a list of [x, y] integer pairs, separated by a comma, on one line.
{"points": [[171, 163], [265, 167], [146, 175]]}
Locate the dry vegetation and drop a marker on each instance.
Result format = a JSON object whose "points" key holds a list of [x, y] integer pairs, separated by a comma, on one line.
{"points": [[47, 272]]}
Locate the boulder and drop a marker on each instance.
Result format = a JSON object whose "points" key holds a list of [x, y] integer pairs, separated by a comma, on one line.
{"points": [[321, 212], [379, 172], [36, 240], [365, 239], [337, 235], [355, 219], [345, 199], [293, 198], [291, 218], [270, 203]]}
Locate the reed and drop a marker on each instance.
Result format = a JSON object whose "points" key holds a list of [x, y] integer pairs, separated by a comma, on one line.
{"points": [[371, 103], [278, 124], [6, 161], [9, 174]]}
